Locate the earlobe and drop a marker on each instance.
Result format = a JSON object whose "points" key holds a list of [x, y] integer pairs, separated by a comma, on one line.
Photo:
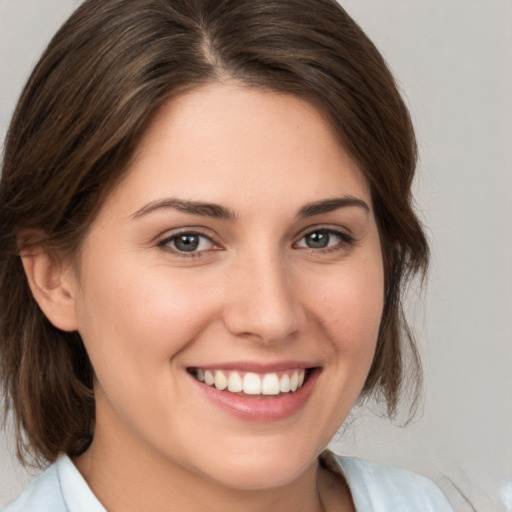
{"points": [[52, 287]]}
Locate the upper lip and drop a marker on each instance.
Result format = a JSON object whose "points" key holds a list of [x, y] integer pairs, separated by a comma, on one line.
{"points": [[257, 367]]}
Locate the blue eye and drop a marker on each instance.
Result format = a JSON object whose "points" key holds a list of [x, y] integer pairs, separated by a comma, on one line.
{"points": [[318, 239], [324, 239], [189, 242]]}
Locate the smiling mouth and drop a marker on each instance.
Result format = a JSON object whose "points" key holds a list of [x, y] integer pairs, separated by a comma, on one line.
{"points": [[253, 384]]}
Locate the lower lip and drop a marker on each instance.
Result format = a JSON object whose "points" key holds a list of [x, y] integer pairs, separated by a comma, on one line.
{"points": [[273, 408]]}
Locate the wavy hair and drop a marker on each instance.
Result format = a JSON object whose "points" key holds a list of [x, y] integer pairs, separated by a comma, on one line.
{"points": [[80, 116]]}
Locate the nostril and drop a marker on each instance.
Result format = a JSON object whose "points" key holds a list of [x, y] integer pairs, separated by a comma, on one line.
{"points": [[269, 327]]}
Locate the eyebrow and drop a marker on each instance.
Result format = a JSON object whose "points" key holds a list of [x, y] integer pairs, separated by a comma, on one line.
{"points": [[329, 205], [194, 207], [221, 212]]}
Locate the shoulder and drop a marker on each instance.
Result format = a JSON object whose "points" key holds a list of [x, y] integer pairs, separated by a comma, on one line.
{"points": [[43, 492], [61, 488], [383, 488]]}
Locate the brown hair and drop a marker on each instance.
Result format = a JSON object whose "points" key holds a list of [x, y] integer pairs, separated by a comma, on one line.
{"points": [[104, 74]]}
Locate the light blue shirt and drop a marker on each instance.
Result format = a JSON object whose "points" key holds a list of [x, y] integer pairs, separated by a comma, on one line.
{"points": [[374, 488]]}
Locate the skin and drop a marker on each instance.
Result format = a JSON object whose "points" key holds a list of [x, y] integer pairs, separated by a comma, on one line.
{"points": [[254, 291]]}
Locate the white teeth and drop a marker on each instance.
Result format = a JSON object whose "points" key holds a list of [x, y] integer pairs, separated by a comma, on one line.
{"points": [[285, 383], [252, 383], [270, 384], [209, 378], [235, 384], [221, 382], [294, 381]]}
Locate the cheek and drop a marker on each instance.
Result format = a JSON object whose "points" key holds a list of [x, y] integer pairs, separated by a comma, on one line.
{"points": [[349, 308], [137, 322]]}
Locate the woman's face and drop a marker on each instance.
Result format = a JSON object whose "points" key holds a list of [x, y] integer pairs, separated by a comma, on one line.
{"points": [[241, 248]]}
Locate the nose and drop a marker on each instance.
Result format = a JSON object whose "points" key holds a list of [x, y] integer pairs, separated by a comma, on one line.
{"points": [[261, 303]]}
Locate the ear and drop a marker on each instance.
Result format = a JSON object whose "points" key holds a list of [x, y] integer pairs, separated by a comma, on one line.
{"points": [[52, 284]]}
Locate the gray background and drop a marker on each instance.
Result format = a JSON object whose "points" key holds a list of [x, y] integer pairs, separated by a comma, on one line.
{"points": [[453, 62]]}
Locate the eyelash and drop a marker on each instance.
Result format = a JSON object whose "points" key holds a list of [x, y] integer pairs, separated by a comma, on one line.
{"points": [[346, 240], [164, 244]]}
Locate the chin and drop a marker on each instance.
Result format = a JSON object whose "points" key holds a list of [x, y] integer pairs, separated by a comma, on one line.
{"points": [[260, 469], [256, 476]]}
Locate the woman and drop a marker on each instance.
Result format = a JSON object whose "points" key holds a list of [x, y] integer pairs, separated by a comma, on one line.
{"points": [[206, 228]]}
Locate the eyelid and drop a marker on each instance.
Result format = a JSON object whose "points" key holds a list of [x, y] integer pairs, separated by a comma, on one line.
{"points": [[345, 235], [346, 241], [169, 235], [197, 230], [339, 230]]}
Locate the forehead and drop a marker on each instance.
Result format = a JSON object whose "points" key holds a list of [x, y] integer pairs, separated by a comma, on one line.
{"points": [[229, 143]]}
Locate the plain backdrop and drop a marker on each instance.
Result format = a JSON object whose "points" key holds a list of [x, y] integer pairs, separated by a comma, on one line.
{"points": [[453, 61]]}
